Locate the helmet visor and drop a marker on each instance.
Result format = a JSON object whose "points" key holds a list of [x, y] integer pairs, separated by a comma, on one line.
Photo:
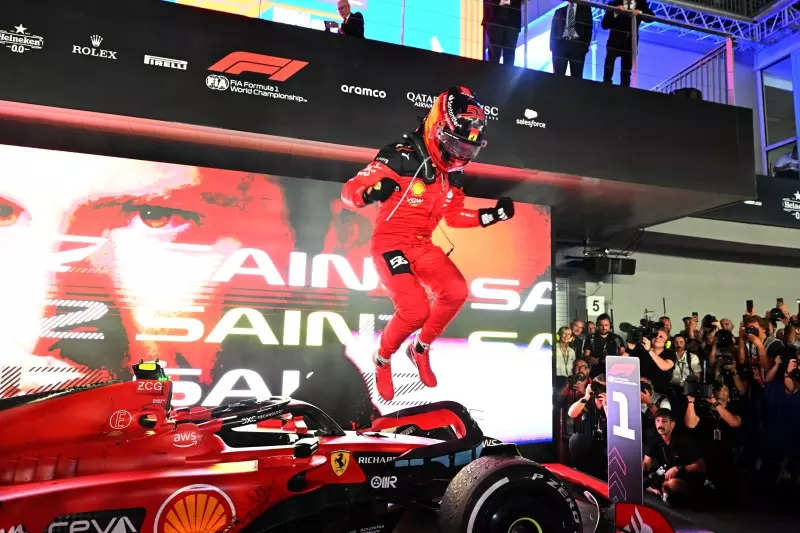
{"points": [[460, 148]]}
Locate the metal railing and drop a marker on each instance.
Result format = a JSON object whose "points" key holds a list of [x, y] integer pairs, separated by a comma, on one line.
{"points": [[712, 75]]}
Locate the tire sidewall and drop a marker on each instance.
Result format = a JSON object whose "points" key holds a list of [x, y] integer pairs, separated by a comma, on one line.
{"points": [[490, 482]]}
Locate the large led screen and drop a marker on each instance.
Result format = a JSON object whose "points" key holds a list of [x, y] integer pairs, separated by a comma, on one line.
{"points": [[250, 285]]}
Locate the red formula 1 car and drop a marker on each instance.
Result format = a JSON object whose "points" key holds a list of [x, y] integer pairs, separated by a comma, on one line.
{"points": [[116, 458]]}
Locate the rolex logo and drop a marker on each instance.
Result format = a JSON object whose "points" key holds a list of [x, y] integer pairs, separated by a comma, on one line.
{"points": [[94, 50]]}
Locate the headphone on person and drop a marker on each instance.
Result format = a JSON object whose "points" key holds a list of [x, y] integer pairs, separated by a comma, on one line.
{"points": [[429, 174]]}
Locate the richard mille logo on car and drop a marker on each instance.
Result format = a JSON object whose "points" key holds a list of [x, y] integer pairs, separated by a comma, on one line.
{"points": [[791, 206], [383, 482], [166, 62], [363, 91], [94, 50], [374, 459], [529, 119], [19, 40], [425, 101]]}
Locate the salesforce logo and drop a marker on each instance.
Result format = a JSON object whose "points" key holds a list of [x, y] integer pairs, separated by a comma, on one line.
{"points": [[530, 120], [363, 91]]}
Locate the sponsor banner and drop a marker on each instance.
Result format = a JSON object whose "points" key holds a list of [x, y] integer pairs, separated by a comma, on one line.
{"points": [[253, 75], [624, 429], [251, 286]]}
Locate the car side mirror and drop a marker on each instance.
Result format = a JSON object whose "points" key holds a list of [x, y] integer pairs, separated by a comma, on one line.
{"points": [[305, 447]]}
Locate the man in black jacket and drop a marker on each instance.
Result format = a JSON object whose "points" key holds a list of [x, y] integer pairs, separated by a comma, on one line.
{"points": [[502, 20], [352, 23], [618, 22], [570, 35]]}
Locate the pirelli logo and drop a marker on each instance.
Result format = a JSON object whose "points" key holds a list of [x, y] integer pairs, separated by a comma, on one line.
{"points": [[277, 68], [165, 62]]}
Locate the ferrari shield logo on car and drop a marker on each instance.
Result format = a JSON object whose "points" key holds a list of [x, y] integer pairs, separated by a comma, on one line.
{"points": [[339, 461]]}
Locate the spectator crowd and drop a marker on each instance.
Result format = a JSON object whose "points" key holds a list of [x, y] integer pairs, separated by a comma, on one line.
{"points": [[720, 405]]}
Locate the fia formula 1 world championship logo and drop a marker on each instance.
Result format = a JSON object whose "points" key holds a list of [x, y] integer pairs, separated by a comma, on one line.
{"points": [[278, 69]]}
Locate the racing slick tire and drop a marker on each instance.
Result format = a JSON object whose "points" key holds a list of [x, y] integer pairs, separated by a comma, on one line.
{"points": [[508, 495]]}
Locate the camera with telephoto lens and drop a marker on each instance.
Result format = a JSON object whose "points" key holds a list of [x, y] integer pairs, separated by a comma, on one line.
{"points": [[692, 386], [572, 379], [656, 477], [646, 328], [597, 388], [708, 322], [751, 330], [775, 315], [724, 361], [724, 338]]}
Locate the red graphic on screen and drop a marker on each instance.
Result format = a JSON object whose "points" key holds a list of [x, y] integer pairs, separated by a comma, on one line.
{"points": [[244, 285], [277, 68]]}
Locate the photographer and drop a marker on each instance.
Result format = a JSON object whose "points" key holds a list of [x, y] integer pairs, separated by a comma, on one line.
{"points": [[782, 421], [714, 421], [756, 348], [685, 363], [655, 360], [652, 401], [673, 464], [573, 389], [734, 376], [604, 342], [588, 446]]}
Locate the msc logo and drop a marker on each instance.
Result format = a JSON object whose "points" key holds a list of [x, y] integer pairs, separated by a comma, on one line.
{"points": [[277, 68], [340, 459], [217, 82], [19, 528]]}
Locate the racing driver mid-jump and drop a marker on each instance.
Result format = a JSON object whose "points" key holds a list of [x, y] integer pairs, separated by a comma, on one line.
{"points": [[418, 181]]}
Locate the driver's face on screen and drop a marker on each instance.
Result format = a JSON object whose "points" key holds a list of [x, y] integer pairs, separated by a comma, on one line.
{"points": [[145, 237]]}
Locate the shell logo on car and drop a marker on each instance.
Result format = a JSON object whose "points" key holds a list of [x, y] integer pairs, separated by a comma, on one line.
{"points": [[195, 509]]}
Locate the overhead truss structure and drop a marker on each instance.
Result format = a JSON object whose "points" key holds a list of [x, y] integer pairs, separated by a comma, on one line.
{"points": [[745, 33]]}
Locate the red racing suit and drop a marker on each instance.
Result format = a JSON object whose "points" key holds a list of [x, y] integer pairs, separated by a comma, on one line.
{"points": [[406, 259]]}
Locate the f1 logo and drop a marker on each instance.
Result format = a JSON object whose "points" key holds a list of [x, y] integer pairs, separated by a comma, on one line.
{"points": [[277, 68]]}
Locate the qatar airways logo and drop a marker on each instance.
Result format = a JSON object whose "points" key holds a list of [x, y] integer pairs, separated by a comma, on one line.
{"points": [[425, 101]]}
